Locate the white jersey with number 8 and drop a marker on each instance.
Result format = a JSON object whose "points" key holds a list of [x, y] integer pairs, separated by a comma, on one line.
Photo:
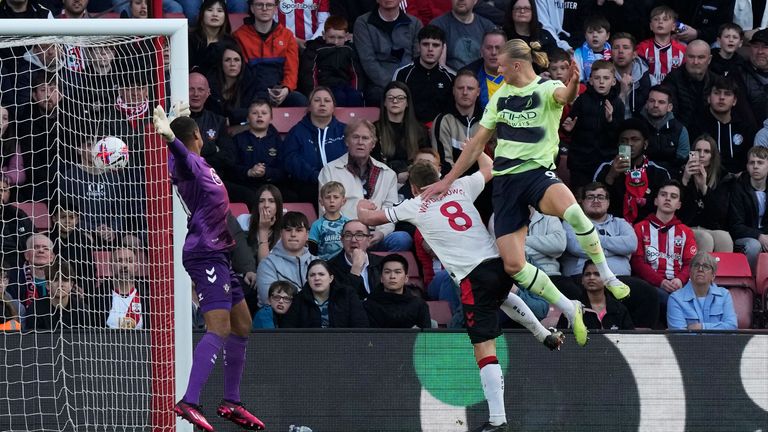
{"points": [[451, 226]]}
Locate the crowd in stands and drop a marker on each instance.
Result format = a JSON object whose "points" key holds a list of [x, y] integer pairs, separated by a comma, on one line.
{"points": [[666, 148]]}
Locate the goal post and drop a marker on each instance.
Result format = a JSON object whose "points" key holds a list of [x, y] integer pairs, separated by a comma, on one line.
{"points": [[168, 299]]}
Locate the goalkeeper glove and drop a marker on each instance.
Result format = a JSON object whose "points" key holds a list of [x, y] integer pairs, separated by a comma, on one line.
{"points": [[179, 109], [162, 124]]}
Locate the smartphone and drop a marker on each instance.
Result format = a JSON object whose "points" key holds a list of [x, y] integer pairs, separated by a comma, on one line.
{"points": [[625, 151], [693, 156]]}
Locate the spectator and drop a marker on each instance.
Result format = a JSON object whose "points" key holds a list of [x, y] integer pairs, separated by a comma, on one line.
{"points": [[364, 177], [619, 242], [631, 73], [15, 227], [244, 263], [304, 18], [754, 72], [521, 21], [264, 222], [632, 182], [726, 59], [74, 9], [136, 9], [325, 234], [73, 244], [28, 281], [665, 245], [733, 134], [747, 212], [111, 201], [11, 162], [313, 143], [597, 31], [761, 137], [281, 296], [354, 266], [258, 150], [289, 259], [60, 307], [706, 197], [691, 83], [272, 55], [394, 306], [600, 311], [96, 90], [486, 68], [701, 18], [463, 30], [324, 303], [232, 86], [428, 81], [751, 16], [593, 121], [668, 141], [122, 300], [662, 52], [385, 39], [206, 39], [700, 304], [24, 9], [399, 134], [331, 61], [10, 309], [575, 15]]}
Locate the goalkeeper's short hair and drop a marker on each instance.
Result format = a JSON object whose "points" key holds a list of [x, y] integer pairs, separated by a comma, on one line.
{"points": [[184, 128]]}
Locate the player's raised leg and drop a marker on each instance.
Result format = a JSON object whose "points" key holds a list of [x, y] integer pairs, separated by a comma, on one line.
{"points": [[516, 309], [559, 201], [512, 251]]}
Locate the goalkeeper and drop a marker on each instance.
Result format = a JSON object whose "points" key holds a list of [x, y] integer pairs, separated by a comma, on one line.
{"points": [[206, 259]]}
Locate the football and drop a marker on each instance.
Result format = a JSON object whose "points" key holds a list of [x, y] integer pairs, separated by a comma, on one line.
{"points": [[110, 153]]}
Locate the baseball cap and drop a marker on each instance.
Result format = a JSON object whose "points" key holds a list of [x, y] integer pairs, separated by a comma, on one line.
{"points": [[760, 36]]}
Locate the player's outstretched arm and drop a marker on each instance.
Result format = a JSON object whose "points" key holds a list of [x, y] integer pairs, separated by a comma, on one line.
{"points": [[469, 155], [485, 165], [567, 94], [369, 215], [162, 124]]}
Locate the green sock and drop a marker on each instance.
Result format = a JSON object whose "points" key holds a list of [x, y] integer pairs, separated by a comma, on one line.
{"points": [[588, 239], [537, 282]]}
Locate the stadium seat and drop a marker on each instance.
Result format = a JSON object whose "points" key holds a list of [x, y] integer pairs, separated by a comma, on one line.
{"points": [[306, 208], [733, 271], [38, 213], [347, 115], [238, 208], [236, 20], [743, 300], [414, 278], [440, 311], [179, 15], [283, 119], [761, 281], [102, 260]]}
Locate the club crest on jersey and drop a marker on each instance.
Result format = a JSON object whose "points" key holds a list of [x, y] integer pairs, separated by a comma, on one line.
{"points": [[211, 134], [136, 307], [215, 177], [676, 62], [738, 139], [272, 152], [678, 241]]}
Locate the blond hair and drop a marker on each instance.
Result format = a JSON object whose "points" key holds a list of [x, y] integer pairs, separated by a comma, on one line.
{"points": [[518, 49]]}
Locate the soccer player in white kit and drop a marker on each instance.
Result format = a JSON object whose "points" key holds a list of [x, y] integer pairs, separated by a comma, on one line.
{"points": [[454, 230]]}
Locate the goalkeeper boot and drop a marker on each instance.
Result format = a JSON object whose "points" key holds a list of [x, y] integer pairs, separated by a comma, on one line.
{"points": [[191, 413], [618, 288], [488, 427], [554, 340], [237, 414], [579, 328]]}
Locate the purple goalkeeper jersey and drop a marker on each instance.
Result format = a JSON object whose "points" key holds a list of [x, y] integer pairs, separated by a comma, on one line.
{"points": [[204, 197]]}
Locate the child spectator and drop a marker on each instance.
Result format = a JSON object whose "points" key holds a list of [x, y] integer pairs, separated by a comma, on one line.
{"points": [[258, 149], [331, 61], [325, 234], [281, 296], [61, 307], [597, 30], [726, 60], [631, 73], [559, 69], [593, 121], [662, 52]]}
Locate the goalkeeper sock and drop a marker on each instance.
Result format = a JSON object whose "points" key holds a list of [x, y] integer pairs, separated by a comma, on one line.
{"points": [[203, 361], [493, 389], [516, 309], [588, 239], [234, 362], [537, 282]]}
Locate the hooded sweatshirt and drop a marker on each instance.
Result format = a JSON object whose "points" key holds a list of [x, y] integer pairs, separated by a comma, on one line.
{"points": [[309, 148], [280, 265], [733, 139], [641, 85], [664, 251], [761, 138]]}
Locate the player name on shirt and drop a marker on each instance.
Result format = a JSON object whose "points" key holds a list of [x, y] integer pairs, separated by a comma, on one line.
{"points": [[426, 203]]}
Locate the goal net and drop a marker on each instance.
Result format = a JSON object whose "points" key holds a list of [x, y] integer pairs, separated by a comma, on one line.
{"points": [[88, 338]]}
